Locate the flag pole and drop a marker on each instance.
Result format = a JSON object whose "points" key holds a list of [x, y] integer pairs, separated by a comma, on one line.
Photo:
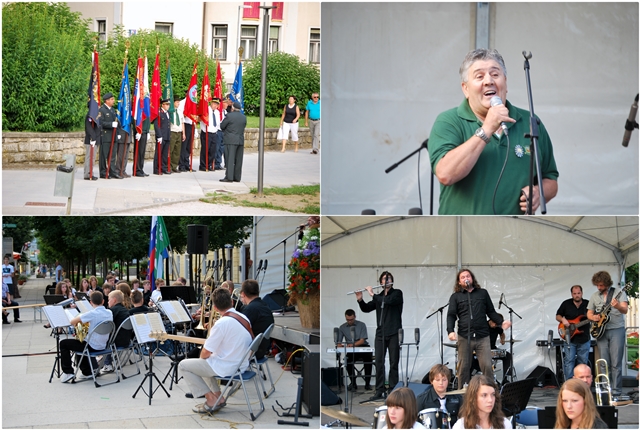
{"points": [[206, 134], [126, 135], [169, 153], [93, 124]]}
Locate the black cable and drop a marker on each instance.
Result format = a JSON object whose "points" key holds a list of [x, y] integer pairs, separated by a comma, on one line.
{"points": [[419, 188], [493, 201]]}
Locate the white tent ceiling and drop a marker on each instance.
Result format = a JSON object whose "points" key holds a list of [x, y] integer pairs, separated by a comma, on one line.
{"points": [[533, 261]]}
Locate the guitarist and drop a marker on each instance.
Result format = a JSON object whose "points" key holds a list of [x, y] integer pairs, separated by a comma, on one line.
{"points": [[611, 343], [577, 339]]}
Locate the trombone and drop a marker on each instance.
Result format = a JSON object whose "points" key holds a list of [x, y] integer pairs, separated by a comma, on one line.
{"points": [[603, 387]]}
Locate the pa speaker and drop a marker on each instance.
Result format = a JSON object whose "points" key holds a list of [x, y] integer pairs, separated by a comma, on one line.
{"points": [[328, 397], [544, 377], [197, 239]]}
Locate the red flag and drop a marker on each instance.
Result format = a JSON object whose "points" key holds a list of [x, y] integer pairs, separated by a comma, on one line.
{"points": [[191, 104], [138, 97], [156, 89], [217, 91], [206, 97]]}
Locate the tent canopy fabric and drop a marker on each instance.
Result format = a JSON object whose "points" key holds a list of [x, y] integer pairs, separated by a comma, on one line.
{"points": [[532, 261]]}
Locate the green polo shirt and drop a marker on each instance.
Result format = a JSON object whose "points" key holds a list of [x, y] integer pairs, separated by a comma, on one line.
{"points": [[473, 195]]}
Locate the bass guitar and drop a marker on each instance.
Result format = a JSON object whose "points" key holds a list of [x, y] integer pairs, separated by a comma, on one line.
{"points": [[574, 325], [597, 328]]}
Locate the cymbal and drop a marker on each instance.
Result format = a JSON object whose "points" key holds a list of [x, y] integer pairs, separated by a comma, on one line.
{"points": [[344, 416], [450, 345], [460, 391]]}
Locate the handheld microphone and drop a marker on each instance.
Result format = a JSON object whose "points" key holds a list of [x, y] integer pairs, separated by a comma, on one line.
{"points": [[265, 265], [260, 266], [631, 123], [495, 101], [549, 339], [401, 336], [501, 298], [416, 334], [336, 333]]}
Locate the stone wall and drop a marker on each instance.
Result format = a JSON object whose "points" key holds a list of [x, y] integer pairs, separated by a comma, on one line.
{"points": [[50, 148]]}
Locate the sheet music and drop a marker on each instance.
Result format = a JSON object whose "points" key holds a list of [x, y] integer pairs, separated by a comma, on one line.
{"points": [[71, 313], [174, 311], [57, 316], [144, 324], [83, 306]]}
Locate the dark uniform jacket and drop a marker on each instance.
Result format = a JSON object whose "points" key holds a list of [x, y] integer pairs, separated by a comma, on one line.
{"points": [[233, 126], [163, 129], [391, 318], [261, 317], [481, 307], [91, 131], [429, 399], [107, 117], [120, 313]]}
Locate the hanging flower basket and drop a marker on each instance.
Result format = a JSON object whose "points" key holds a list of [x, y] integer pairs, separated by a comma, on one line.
{"points": [[304, 276], [310, 311]]}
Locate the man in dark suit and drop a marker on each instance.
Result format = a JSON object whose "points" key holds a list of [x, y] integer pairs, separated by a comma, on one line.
{"points": [[257, 311], [162, 127], [233, 127], [109, 124], [91, 145]]}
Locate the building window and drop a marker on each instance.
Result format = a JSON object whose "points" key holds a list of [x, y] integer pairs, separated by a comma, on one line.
{"points": [[249, 41], [164, 27], [314, 45], [219, 41], [274, 35], [102, 29]]}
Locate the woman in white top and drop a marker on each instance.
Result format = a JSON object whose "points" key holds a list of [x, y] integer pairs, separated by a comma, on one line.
{"points": [[402, 410], [482, 407]]}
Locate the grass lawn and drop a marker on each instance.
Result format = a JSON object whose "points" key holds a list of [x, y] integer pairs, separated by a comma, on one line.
{"points": [[297, 198]]}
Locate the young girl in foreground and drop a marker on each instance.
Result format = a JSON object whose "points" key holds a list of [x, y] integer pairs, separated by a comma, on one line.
{"points": [[576, 409], [402, 410], [482, 408]]}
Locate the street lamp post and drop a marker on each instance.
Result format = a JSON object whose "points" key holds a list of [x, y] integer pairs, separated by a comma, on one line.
{"points": [[263, 96]]}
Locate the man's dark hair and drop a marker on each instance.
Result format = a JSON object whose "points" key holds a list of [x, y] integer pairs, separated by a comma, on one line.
{"points": [[576, 286], [350, 313], [222, 299], [457, 288], [97, 298], [136, 297], [385, 273], [250, 288], [602, 278]]}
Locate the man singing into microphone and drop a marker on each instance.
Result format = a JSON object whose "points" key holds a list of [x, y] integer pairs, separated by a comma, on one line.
{"points": [[471, 305], [388, 307], [482, 171]]}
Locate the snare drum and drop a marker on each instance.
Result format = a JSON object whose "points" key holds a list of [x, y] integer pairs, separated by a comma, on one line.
{"points": [[498, 353], [434, 418], [379, 417]]}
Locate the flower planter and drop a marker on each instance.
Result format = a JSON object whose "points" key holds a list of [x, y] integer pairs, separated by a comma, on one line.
{"points": [[310, 311]]}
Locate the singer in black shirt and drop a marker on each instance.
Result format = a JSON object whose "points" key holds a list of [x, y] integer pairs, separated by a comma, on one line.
{"points": [[470, 305], [388, 307]]}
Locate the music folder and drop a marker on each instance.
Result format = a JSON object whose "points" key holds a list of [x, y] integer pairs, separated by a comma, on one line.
{"points": [[144, 324], [58, 316], [174, 311]]}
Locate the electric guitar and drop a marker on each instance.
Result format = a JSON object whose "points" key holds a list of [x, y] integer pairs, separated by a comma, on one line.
{"points": [[597, 328], [162, 336], [574, 325]]}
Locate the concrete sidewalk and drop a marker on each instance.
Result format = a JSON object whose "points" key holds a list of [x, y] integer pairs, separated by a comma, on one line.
{"points": [[30, 401], [30, 191]]}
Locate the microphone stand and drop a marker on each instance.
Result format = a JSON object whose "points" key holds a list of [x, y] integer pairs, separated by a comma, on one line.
{"points": [[533, 135], [284, 256], [440, 329], [511, 369], [469, 352], [389, 169]]}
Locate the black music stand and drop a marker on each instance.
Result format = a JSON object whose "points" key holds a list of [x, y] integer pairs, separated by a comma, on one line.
{"points": [[298, 412], [56, 320], [515, 396], [144, 339], [178, 352]]}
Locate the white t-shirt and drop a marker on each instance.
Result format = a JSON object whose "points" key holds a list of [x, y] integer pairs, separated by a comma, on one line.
{"points": [[7, 269], [228, 342], [460, 424]]}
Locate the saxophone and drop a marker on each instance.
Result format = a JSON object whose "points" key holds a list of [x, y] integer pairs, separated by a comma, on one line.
{"points": [[82, 329]]}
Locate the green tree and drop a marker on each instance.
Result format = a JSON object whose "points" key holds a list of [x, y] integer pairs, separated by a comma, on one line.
{"points": [[287, 76], [631, 275], [45, 72], [21, 234]]}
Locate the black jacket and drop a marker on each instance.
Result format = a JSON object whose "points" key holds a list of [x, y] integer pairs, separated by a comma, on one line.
{"points": [[107, 116], [430, 399], [120, 313], [261, 317], [481, 307], [164, 128], [91, 131], [233, 126], [391, 318]]}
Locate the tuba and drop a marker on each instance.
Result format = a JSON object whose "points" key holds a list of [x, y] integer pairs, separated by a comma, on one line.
{"points": [[82, 329], [603, 387]]}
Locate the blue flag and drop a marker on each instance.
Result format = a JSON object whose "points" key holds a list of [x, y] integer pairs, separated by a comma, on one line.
{"points": [[124, 101], [237, 94]]}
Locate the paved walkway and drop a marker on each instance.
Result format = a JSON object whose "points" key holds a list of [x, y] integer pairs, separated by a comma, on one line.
{"points": [[30, 191], [30, 401]]}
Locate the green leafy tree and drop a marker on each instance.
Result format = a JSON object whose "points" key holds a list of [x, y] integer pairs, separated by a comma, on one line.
{"points": [[631, 275], [287, 76], [21, 234], [45, 72]]}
